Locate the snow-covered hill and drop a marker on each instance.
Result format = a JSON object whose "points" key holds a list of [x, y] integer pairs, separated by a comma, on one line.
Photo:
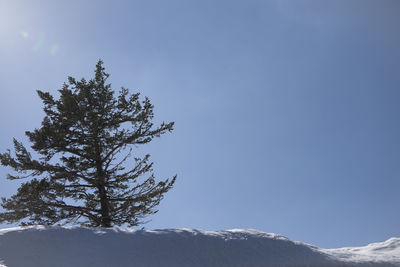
{"points": [[74, 246]]}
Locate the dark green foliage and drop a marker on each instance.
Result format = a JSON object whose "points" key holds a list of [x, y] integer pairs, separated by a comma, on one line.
{"points": [[84, 147]]}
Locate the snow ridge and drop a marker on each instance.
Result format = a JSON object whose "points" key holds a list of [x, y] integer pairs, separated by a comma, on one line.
{"points": [[46, 246]]}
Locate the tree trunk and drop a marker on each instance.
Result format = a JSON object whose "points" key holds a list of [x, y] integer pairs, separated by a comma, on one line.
{"points": [[105, 208], [104, 203]]}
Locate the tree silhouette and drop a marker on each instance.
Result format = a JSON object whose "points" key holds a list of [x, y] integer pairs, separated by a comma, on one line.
{"points": [[85, 172]]}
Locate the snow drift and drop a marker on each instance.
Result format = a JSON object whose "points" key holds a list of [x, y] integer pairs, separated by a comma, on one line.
{"points": [[75, 246]]}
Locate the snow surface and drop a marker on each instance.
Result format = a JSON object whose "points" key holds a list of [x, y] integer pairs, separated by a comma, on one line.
{"points": [[76, 246], [388, 251]]}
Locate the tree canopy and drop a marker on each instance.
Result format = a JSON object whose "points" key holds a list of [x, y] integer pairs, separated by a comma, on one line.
{"points": [[85, 171]]}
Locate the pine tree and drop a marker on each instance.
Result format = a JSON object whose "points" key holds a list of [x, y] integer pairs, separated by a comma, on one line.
{"points": [[85, 172]]}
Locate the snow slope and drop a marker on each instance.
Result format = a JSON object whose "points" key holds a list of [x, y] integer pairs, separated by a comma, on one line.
{"points": [[387, 251], [75, 246]]}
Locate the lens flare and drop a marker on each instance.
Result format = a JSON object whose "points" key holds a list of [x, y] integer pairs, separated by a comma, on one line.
{"points": [[39, 42], [54, 49], [24, 34]]}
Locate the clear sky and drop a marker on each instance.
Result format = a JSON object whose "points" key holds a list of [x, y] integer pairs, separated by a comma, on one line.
{"points": [[287, 112]]}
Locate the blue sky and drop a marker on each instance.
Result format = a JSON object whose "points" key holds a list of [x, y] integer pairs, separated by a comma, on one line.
{"points": [[286, 112]]}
